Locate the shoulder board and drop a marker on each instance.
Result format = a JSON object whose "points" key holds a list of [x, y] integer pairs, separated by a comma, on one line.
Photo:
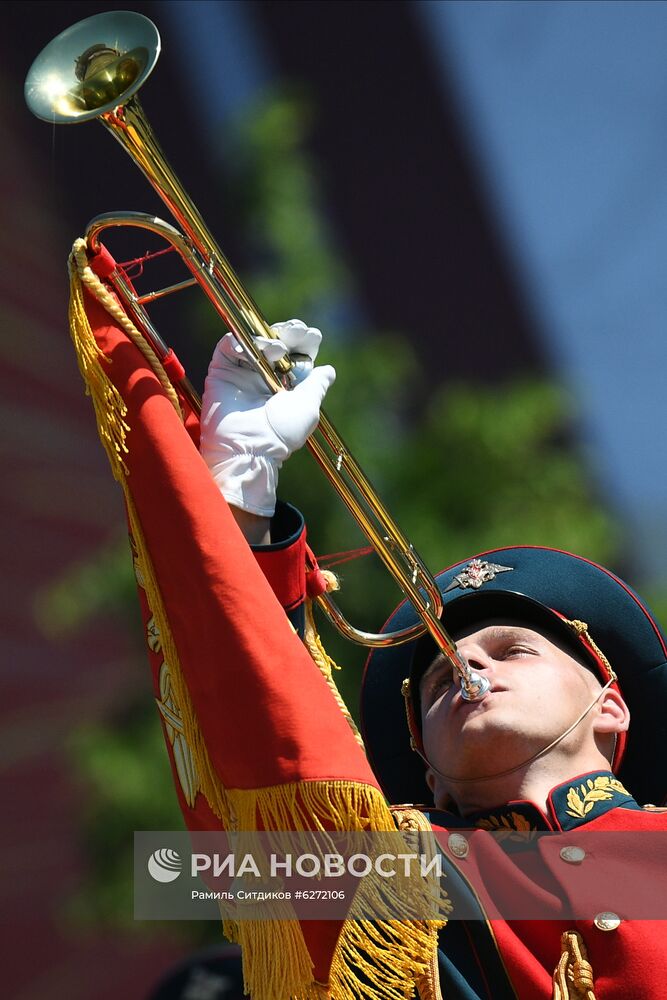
{"points": [[655, 809]]}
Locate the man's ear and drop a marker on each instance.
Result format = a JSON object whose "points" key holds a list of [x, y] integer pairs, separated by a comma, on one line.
{"points": [[613, 715], [430, 779]]}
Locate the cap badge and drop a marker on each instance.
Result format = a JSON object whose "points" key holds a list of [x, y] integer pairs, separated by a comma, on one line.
{"points": [[476, 573]]}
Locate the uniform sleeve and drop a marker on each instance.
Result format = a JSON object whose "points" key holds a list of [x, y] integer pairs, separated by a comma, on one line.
{"points": [[255, 737], [283, 562]]}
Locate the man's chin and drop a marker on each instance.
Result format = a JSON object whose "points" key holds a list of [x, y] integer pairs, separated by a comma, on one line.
{"points": [[482, 747], [486, 719]]}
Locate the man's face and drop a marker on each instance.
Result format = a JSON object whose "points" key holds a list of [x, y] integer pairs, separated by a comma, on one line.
{"points": [[537, 691]]}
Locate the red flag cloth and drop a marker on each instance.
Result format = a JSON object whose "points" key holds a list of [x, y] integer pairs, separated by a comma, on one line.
{"points": [[256, 738], [276, 725]]}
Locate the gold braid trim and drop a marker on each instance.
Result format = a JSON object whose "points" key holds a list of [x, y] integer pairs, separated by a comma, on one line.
{"points": [[209, 781], [581, 629], [324, 662], [379, 959], [388, 954], [573, 976], [84, 342], [109, 406], [428, 982], [374, 960]]}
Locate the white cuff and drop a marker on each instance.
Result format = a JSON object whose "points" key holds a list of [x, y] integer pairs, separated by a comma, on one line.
{"points": [[249, 482]]}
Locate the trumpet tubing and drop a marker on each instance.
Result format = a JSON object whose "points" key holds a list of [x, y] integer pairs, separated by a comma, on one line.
{"points": [[94, 70]]}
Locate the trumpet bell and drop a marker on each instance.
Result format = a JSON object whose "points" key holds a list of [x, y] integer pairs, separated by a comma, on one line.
{"points": [[92, 67]]}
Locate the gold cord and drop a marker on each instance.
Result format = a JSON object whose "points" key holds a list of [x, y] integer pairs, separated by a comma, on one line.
{"points": [[573, 976], [581, 630], [97, 288], [373, 960], [321, 658]]}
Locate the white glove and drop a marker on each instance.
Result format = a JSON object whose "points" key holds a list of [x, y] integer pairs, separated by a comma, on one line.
{"points": [[247, 431]]}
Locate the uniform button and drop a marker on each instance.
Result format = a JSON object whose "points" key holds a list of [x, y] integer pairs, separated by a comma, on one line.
{"points": [[607, 921], [458, 845], [573, 855]]}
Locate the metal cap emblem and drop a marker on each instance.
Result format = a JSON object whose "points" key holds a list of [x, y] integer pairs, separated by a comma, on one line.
{"points": [[476, 573]]}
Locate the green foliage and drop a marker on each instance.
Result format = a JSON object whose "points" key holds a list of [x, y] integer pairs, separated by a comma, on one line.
{"points": [[100, 584], [473, 468], [125, 786], [299, 273], [492, 468], [477, 469]]}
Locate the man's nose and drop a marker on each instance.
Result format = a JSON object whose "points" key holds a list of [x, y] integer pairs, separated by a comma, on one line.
{"points": [[476, 658]]}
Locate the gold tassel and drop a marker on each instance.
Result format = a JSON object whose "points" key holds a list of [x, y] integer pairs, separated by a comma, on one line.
{"points": [[374, 960], [81, 273], [109, 406], [209, 781], [389, 954], [321, 658], [573, 976]]}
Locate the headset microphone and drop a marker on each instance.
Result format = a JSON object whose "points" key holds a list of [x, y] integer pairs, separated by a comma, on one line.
{"points": [[535, 756]]}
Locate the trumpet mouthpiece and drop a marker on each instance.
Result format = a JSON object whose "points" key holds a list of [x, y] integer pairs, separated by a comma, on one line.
{"points": [[475, 687]]}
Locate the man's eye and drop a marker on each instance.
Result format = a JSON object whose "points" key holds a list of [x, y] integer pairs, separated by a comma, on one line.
{"points": [[440, 683], [517, 650]]}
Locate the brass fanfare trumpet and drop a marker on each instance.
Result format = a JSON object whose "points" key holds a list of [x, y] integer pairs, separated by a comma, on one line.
{"points": [[94, 69]]}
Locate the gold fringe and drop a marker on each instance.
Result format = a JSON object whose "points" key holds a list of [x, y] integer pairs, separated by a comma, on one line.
{"points": [[79, 266], [573, 976], [315, 806], [109, 406], [380, 959], [276, 962], [396, 956], [391, 956], [324, 662], [388, 954], [209, 781], [374, 960]]}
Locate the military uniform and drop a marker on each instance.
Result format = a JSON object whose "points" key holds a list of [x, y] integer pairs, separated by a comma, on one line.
{"points": [[488, 956], [255, 737]]}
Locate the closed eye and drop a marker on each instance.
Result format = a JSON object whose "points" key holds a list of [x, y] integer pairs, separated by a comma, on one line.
{"points": [[436, 684], [511, 652]]}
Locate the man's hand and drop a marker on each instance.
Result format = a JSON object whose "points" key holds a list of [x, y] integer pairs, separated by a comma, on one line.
{"points": [[247, 431]]}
